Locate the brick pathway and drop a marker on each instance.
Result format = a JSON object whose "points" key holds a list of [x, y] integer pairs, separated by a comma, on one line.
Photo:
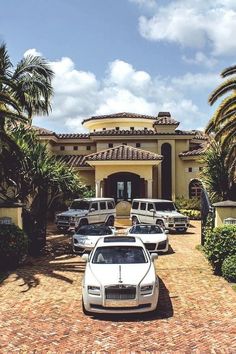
{"points": [[41, 307]]}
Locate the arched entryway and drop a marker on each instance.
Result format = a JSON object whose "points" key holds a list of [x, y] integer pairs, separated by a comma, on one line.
{"points": [[124, 186], [166, 173]]}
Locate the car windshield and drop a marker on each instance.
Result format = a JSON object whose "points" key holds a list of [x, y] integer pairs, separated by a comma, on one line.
{"points": [[119, 255], [165, 206], [80, 205], [146, 229], [92, 230]]}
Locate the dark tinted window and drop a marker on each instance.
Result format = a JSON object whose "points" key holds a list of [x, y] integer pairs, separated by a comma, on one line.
{"points": [[94, 230], [150, 206], [143, 206], [146, 229], [102, 205], [135, 205], [110, 205], [165, 206], [94, 206], [80, 204]]}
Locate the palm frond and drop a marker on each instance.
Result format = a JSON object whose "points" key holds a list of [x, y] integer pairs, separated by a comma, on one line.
{"points": [[229, 71], [222, 89], [5, 63]]}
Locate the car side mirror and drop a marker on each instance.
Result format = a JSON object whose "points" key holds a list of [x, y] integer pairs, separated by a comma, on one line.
{"points": [[154, 256], [92, 209], [167, 231], [85, 257], [152, 210]]}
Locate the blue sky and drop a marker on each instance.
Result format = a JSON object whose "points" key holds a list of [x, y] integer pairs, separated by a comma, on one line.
{"points": [[141, 56]]}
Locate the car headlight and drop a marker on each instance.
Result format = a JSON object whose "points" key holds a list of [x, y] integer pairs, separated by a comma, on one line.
{"points": [[94, 290], [73, 218], [146, 289], [171, 220], [75, 240]]}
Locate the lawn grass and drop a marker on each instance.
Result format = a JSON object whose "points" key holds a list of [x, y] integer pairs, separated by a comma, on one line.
{"points": [[234, 287]]}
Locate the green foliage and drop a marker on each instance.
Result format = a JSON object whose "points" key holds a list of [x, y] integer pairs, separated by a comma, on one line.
{"points": [[191, 213], [13, 246], [216, 172], [183, 203], [229, 268], [223, 122], [219, 244]]}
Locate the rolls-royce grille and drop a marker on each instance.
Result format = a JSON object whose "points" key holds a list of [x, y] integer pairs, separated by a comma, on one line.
{"points": [[150, 246], [120, 292]]}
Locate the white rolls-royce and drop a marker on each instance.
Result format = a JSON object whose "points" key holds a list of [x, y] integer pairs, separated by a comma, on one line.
{"points": [[119, 277]]}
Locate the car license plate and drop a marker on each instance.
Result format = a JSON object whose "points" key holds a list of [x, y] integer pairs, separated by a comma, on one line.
{"points": [[120, 303]]}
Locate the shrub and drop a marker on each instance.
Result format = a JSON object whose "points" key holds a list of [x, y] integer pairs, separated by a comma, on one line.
{"points": [[229, 268], [193, 203], [191, 213], [219, 244], [13, 246]]}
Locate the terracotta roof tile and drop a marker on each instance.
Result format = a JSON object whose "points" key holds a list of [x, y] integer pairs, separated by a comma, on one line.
{"points": [[196, 152], [124, 132], [123, 152], [73, 160], [166, 121], [74, 136], [43, 131], [120, 115]]}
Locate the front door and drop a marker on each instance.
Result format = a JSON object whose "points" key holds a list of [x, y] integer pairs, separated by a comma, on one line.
{"points": [[124, 186]]}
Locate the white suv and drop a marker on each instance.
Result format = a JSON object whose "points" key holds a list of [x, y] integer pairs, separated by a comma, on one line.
{"points": [[158, 211], [87, 211]]}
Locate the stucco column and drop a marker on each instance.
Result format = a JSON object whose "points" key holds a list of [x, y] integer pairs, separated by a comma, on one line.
{"points": [[149, 188], [98, 188]]}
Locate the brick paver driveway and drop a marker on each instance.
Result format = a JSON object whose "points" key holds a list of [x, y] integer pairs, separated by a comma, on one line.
{"points": [[41, 307]]}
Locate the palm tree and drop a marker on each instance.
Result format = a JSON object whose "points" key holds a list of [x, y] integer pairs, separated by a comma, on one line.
{"points": [[24, 91], [223, 123], [41, 179], [216, 172]]}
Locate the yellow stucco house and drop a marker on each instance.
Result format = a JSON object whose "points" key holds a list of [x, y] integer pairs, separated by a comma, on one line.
{"points": [[128, 155]]}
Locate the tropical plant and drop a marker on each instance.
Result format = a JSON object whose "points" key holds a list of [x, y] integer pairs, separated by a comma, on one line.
{"points": [[24, 91], [13, 246], [42, 178], [216, 171], [223, 122]]}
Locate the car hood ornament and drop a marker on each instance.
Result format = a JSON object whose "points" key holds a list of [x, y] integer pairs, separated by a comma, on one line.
{"points": [[120, 280]]}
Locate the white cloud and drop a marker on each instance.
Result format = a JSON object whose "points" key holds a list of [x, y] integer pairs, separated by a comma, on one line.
{"points": [[195, 24], [200, 59], [32, 52], [79, 95]]}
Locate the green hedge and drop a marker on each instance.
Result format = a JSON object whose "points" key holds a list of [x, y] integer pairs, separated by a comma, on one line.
{"points": [[229, 268], [219, 244], [13, 246], [191, 213]]}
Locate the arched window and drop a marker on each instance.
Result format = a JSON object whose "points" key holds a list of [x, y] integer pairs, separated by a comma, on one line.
{"points": [[195, 187]]}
